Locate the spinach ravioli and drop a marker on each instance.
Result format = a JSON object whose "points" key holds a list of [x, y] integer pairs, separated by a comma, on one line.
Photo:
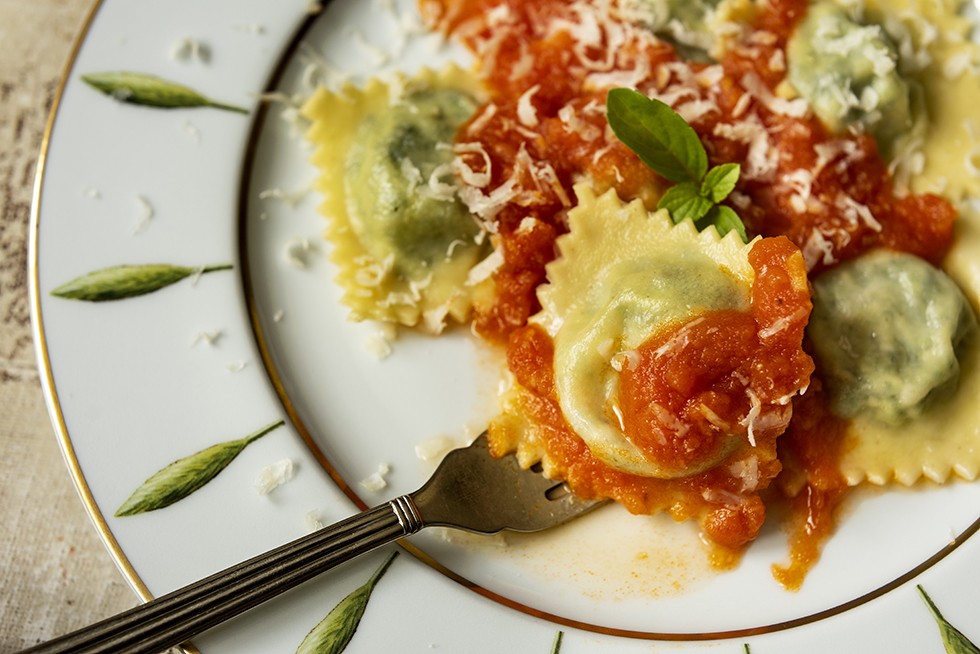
{"points": [[940, 439], [403, 241], [624, 276], [889, 329], [905, 72]]}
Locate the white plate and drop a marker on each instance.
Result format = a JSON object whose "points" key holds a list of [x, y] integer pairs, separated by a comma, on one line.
{"points": [[135, 384]]}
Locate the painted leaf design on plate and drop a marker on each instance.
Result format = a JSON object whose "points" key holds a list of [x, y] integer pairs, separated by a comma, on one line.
{"points": [[335, 631], [184, 476], [126, 281], [954, 640], [151, 91], [556, 644]]}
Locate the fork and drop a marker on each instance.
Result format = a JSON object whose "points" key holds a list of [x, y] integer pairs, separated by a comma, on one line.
{"points": [[470, 490]]}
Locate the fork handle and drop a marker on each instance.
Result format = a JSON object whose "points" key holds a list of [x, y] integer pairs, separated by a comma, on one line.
{"points": [[174, 618]]}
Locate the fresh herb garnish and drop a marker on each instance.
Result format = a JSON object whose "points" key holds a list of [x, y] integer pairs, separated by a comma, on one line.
{"points": [[672, 149]]}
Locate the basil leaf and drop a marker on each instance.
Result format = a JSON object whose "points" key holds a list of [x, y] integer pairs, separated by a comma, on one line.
{"points": [[659, 136], [720, 181], [685, 202], [724, 220], [671, 147]]}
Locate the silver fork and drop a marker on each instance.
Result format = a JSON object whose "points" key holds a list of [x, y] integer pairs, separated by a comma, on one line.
{"points": [[470, 490]]}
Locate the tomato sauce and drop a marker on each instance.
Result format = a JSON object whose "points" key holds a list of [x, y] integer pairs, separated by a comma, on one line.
{"points": [[519, 53], [850, 167], [812, 483], [729, 526], [712, 362], [844, 204]]}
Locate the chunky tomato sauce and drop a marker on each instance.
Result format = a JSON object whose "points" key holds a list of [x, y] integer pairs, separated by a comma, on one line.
{"points": [[691, 389], [701, 374], [521, 54], [543, 127], [730, 526]]}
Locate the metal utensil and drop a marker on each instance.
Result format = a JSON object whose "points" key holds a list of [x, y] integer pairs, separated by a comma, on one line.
{"points": [[470, 490]]}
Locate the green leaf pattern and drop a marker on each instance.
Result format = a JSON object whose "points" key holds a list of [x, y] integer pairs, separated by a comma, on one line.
{"points": [[332, 634], [556, 643], [126, 281], [151, 91], [954, 640], [184, 476]]}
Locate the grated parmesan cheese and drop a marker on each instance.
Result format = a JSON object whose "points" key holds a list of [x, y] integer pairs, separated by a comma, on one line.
{"points": [[466, 173], [796, 108], [210, 338], [236, 366], [751, 418], [486, 268], [146, 213], [188, 49], [290, 198], [379, 343], [376, 482], [273, 476], [314, 521], [297, 252], [526, 113]]}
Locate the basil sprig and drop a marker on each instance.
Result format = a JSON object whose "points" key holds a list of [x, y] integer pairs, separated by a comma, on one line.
{"points": [[672, 149]]}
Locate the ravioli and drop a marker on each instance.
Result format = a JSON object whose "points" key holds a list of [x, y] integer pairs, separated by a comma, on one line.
{"points": [[621, 277], [942, 152], [848, 72], [944, 441], [403, 241], [633, 304], [906, 72], [889, 330]]}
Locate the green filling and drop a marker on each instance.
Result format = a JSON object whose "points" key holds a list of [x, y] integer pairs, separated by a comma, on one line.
{"points": [[848, 72], [888, 330], [684, 24], [632, 300], [398, 211]]}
